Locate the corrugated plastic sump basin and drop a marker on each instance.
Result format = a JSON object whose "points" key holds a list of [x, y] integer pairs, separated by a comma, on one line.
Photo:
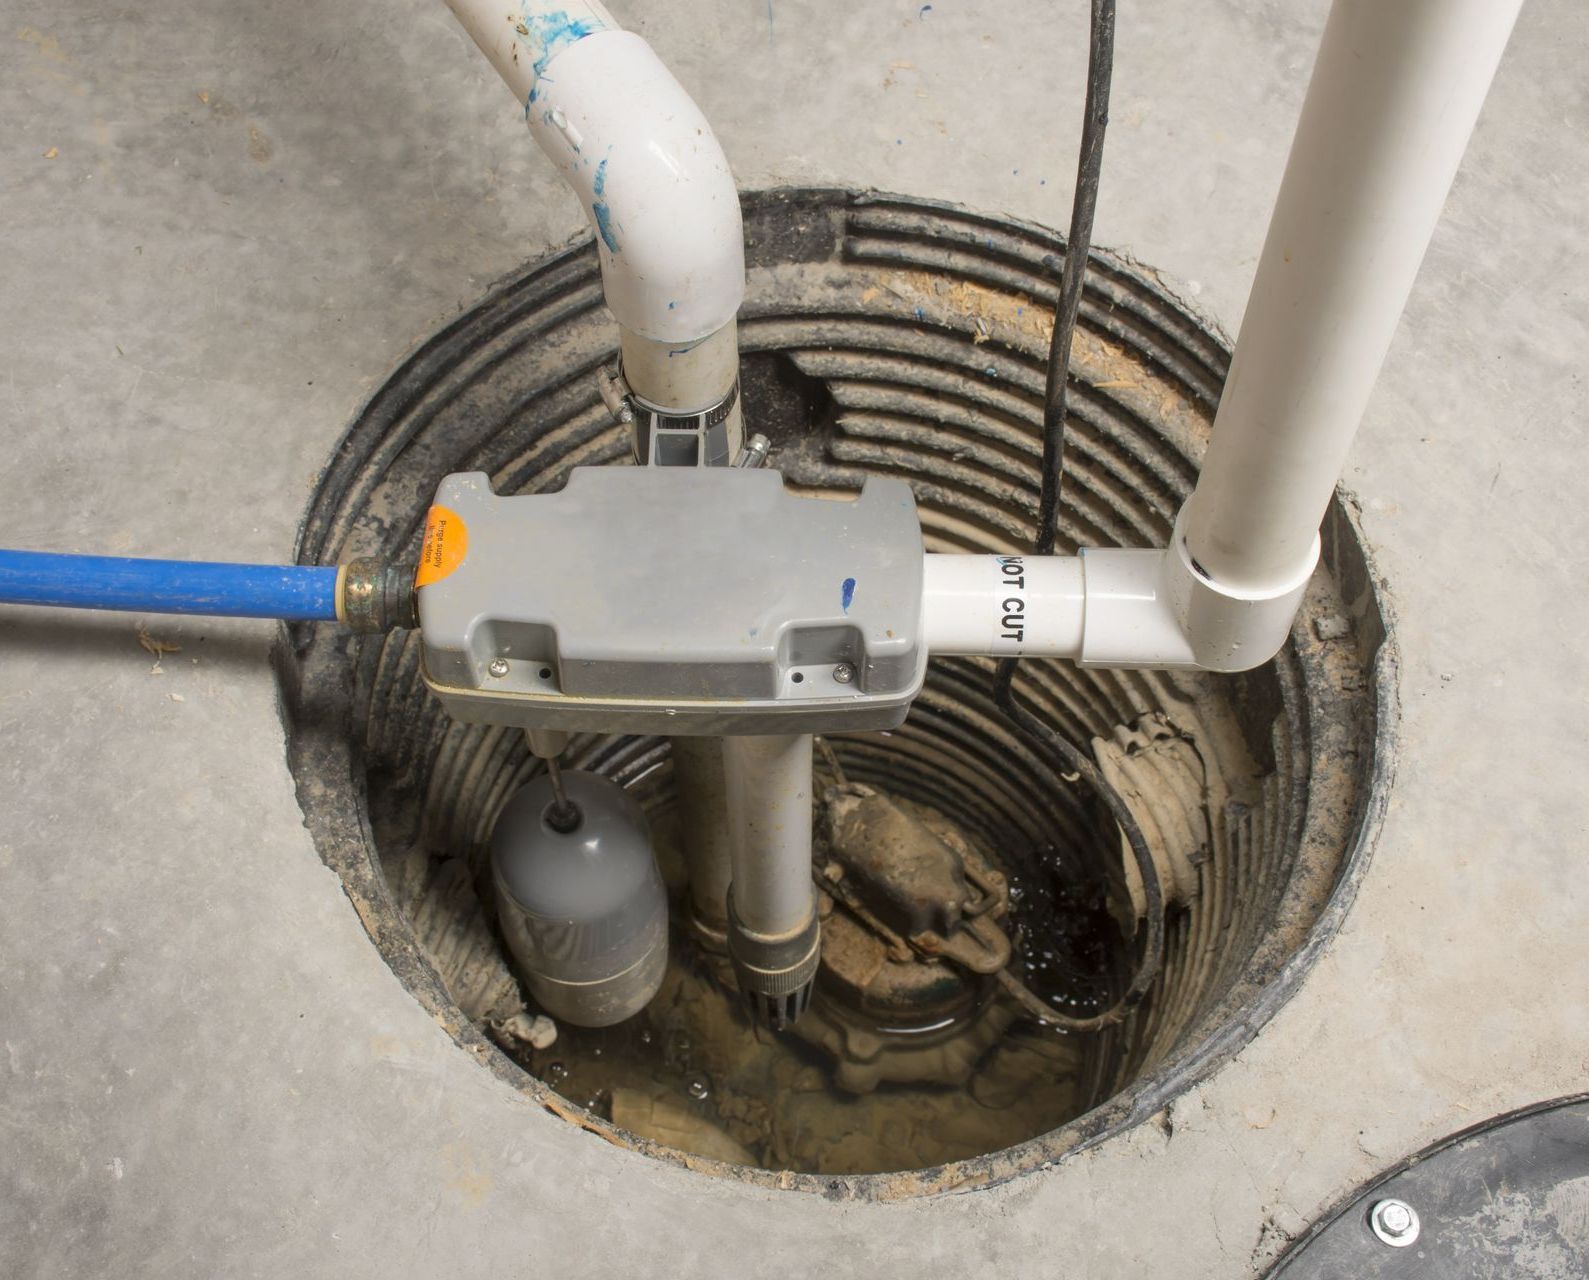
{"points": [[881, 336]]}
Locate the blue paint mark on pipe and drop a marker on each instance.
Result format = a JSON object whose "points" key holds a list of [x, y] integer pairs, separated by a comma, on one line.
{"points": [[847, 594], [548, 34], [601, 211], [603, 216]]}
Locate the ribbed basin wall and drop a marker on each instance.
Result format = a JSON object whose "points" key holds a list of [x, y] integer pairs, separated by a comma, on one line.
{"points": [[885, 337]]}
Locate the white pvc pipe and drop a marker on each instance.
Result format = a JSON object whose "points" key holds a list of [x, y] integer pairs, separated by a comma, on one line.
{"points": [[1395, 93], [520, 39], [1003, 606], [638, 152], [1106, 608], [769, 780], [685, 379], [702, 789], [644, 162]]}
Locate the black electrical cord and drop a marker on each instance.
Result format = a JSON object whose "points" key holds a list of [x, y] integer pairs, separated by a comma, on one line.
{"points": [[1089, 165]]}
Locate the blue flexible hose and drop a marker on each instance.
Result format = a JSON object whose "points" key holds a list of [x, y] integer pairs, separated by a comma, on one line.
{"points": [[290, 592]]}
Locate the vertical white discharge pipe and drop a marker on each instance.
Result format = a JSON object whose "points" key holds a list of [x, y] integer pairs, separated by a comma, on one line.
{"points": [[769, 781], [1395, 93], [703, 808], [774, 938], [644, 162]]}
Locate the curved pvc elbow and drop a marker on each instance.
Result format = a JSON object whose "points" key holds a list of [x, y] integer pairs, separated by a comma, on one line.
{"points": [[1231, 628], [658, 190]]}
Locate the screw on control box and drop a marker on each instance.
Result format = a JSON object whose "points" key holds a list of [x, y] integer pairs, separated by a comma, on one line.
{"points": [[679, 600]]}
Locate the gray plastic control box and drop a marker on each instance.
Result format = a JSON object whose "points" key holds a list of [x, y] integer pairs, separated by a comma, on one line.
{"points": [[677, 601]]}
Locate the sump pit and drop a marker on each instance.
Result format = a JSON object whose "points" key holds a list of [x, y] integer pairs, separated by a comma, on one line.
{"points": [[898, 337]]}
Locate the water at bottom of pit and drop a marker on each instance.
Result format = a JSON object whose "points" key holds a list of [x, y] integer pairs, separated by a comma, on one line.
{"points": [[690, 1071]]}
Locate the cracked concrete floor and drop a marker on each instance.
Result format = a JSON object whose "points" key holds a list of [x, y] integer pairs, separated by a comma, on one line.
{"points": [[221, 227]]}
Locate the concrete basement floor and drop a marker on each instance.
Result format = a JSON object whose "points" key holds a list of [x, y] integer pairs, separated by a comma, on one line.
{"points": [[223, 225]]}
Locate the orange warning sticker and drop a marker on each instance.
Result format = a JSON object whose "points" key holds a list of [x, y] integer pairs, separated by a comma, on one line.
{"points": [[446, 544]]}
